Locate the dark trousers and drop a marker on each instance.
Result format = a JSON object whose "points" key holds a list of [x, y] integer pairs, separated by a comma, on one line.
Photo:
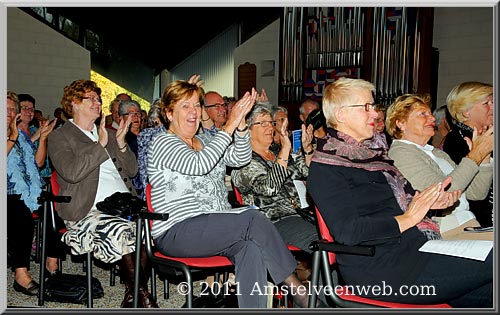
{"points": [[460, 282], [298, 232], [248, 239], [20, 232]]}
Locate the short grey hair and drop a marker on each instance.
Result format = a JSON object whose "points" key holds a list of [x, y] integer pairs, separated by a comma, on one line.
{"points": [[307, 100], [278, 109], [124, 105], [257, 111]]}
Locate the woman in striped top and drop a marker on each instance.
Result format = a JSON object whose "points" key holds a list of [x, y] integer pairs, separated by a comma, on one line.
{"points": [[186, 171]]}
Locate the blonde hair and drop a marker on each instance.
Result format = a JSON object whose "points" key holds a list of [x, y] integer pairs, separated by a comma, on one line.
{"points": [[463, 96], [400, 110], [342, 93], [13, 97]]}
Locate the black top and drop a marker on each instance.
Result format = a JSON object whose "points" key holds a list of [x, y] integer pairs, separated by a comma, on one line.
{"points": [[359, 208]]}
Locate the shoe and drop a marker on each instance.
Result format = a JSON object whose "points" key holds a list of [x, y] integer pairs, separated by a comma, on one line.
{"points": [[31, 289]]}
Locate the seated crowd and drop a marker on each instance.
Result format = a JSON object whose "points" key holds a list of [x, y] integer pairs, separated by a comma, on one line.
{"points": [[379, 176]]}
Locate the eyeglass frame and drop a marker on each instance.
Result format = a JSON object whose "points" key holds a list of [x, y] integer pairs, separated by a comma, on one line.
{"points": [[92, 99], [265, 123], [31, 109], [216, 105], [367, 106]]}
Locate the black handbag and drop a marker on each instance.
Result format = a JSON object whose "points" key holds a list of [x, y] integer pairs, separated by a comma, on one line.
{"points": [[70, 288], [123, 205]]}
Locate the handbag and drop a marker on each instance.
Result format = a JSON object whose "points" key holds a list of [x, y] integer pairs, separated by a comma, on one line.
{"points": [[71, 288], [123, 205]]}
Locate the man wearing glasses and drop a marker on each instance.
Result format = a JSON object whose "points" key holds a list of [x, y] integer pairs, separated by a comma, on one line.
{"points": [[216, 109]]}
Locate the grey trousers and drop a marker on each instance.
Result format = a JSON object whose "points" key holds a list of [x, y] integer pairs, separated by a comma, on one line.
{"points": [[249, 240], [298, 232]]}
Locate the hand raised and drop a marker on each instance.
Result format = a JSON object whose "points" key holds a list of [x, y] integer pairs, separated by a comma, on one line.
{"points": [[122, 131], [103, 132]]}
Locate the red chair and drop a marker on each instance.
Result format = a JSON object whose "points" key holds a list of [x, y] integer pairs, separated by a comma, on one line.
{"points": [[168, 263], [324, 256]]}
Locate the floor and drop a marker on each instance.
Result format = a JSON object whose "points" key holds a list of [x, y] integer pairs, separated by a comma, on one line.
{"points": [[113, 295]]}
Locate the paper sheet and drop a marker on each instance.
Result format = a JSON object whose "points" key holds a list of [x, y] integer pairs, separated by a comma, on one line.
{"points": [[472, 249], [301, 190]]}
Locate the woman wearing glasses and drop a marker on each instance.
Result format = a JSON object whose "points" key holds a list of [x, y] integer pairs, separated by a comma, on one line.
{"points": [[268, 181], [365, 200], [93, 163], [186, 171]]}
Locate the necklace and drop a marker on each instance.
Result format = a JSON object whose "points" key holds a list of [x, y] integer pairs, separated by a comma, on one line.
{"points": [[191, 145]]}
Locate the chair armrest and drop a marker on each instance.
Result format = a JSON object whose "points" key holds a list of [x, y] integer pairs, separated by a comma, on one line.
{"points": [[48, 196], [337, 248], [153, 216]]}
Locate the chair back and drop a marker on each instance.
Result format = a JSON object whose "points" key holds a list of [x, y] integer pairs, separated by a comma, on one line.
{"points": [[237, 195], [53, 183], [324, 233]]}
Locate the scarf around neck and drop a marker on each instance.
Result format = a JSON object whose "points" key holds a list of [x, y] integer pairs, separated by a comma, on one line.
{"points": [[340, 149]]}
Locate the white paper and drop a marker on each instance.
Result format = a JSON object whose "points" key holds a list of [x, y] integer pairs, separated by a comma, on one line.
{"points": [[473, 249], [300, 186]]}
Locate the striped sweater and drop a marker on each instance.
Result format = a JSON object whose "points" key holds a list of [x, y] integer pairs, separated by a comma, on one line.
{"points": [[186, 183]]}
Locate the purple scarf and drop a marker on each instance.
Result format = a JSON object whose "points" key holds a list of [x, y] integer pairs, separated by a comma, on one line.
{"points": [[340, 149]]}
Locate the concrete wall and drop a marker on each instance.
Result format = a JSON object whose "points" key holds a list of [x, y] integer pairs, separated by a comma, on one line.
{"points": [[40, 61], [464, 37], [261, 50]]}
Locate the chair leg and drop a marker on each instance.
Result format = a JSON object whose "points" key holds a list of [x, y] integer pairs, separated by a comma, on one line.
{"points": [[112, 275], [38, 241], [89, 281], [315, 278]]}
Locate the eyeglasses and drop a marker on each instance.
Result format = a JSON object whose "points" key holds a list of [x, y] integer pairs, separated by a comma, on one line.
{"points": [[368, 106], [93, 99], [27, 109], [266, 123], [218, 105], [137, 114], [488, 102]]}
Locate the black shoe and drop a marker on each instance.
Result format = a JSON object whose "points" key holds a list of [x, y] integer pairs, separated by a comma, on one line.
{"points": [[31, 289]]}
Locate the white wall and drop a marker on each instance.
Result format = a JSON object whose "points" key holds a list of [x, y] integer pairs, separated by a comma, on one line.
{"points": [[464, 37], [40, 61], [263, 46]]}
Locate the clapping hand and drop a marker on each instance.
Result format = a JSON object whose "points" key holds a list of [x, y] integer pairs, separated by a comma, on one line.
{"points": [[122, 131]]}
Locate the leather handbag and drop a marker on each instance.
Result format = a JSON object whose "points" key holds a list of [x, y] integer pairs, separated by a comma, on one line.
{"points": [[123, 205]]}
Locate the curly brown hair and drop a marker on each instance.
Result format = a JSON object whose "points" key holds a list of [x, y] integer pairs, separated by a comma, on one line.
{"points": [[75, 92]]}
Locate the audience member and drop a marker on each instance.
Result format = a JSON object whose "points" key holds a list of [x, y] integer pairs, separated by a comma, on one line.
{"points": [[61, 117], [471, 107], [411, 124], [27, 105], [363, 200], [216, 108], [144, 119], [307, 106], [92, 163], [268, 181], [114, 122], [442, 126], [158, 125], [317, 120], [186, 171], [279, 115], [24, 186]]}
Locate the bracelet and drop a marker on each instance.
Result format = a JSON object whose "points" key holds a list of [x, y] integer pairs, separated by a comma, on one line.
{"points": [[284, 160], [242, 130], [125, 146], [9, 139], [308, 152], [205, 119]]}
